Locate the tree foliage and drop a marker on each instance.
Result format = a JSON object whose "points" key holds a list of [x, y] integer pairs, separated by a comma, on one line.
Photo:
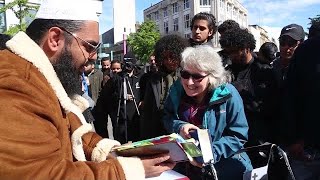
{"points": [[21, 10], [142, 42]]}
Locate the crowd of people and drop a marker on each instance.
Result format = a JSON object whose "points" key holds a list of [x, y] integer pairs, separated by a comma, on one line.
{"points": [[56, 104]]}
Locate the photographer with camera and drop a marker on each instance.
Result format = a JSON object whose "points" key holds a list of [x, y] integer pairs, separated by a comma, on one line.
{"points": [[120, 98]]}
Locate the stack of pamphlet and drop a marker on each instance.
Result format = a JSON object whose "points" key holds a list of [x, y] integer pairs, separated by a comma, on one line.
{"points": [[198, 148], [179, 149]]}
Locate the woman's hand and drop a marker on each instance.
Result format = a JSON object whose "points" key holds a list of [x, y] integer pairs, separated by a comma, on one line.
{"points": [[185, 129]]}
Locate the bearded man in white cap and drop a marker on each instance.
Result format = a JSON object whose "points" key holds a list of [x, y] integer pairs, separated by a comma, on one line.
{"points": [[43, 134]]}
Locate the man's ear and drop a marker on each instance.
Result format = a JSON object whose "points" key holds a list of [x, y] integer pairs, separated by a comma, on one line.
{"points": [[54, 42], [210, 33]]}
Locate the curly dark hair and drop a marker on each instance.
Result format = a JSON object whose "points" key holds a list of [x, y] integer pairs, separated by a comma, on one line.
{"points": [[238, 39], [172, 44], [212, 23], [227, 25], [314, 30]]}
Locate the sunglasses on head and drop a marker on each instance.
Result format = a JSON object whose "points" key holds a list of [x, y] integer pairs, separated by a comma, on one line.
{"points": [[288, 42], [195, 77]]}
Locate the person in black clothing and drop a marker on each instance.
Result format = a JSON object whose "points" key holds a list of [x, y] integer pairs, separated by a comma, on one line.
{"points": [[3, 39], [290, 38], [126, 125], [105, 68], [151, 69], [222, 28], [301, 128], [253, 81], [267, 52], [314, 30], [167, 53]]}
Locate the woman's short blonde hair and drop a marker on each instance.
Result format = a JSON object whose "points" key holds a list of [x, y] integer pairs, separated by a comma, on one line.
{"points": [[204, 58]]}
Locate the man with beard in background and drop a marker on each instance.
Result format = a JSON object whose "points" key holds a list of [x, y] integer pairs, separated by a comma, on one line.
{"points": [[254, 82], [105, 68], [43, 134], [167, 52], [152, 68]]}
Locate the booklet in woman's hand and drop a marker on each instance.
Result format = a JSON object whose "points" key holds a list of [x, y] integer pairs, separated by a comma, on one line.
{"points": [[178, 148], [204, 143]]}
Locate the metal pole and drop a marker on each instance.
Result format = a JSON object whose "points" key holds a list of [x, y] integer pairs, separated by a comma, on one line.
{"points": [[111, 55], [124, 43], [125, 96]]}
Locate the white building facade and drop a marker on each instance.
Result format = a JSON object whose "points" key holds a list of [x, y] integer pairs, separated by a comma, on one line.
{"points": [[260, 35], [174, 16], [124, 18], [8, 18]]}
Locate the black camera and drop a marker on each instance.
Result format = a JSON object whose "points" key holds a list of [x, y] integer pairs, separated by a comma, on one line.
{"points": [[129, 61], [128, 65]]}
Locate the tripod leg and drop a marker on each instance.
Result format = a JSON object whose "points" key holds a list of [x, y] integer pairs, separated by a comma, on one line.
{"points": [[115, 121], [134, 99], [125, 94]]}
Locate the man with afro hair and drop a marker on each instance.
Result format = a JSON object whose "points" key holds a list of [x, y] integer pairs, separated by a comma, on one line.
{"points": [[254, 82], [222, 28], [227, 25], [167, 53]]}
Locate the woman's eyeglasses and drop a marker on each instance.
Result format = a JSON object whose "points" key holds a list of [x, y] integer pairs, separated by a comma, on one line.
{"points": [[195, 77]]}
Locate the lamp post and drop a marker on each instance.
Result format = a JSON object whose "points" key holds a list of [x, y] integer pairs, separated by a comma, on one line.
{"points": [[124, 42]]}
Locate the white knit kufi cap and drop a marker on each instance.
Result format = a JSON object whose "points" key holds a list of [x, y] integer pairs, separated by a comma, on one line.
{"points": [[81, 10]]}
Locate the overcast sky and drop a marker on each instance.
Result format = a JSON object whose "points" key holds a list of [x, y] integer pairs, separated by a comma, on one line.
{"points": [[272, 15]]}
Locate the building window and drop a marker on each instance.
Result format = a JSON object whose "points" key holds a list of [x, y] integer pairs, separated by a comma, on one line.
{"points": [[2, 20], [156, 15], [205, 2], [165, 27], [148, 17], [234, 12], [187, 36], [176, 24], [186, 4], [221, 3], [228, 7], [165, 12], [175, 8], [32, 14], [186, 18]]}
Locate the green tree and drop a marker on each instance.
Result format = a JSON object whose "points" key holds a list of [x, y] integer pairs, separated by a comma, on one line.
{"points": [[142, 42], [21, 10]]}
